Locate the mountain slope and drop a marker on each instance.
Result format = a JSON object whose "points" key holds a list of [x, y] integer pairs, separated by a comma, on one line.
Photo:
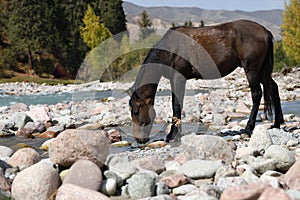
{"points": [[164, 16]]}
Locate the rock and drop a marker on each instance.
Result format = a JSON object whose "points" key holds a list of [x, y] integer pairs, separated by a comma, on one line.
{"points": [[24, 158], [47, 135], [261, 165], [198, 195], [18, 107], [162, 188], [293, 194], [273, 193], [57, 129], [157, 144], [5, 152], [149, 163], [291, 179], [5, 184], [225, 171], [113, 135], [159, 197], [109, 187], [206, 147], [36, 127], [121, 167], [248, 173], [260, 138], [39, 113], [20, 119], [279, 136], [197, 169], [74, 192], [282, 155], [141, 185], [38, 181], [175, 180], [72, 145], [184, 189], [250, 191], [245, 151], [271, 178], [227, 182], [210, 190], [80, 176]]}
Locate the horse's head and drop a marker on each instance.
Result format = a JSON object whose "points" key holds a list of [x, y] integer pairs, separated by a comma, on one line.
{"points": [[142, 114]]}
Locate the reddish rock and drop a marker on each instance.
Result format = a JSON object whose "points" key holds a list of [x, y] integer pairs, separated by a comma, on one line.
{"points": [[24, 158], [18, 107], [180, 158], [113, 135], [47, 134], [80, 176], [79, 144], [74, 192], [274, 193], [149, 163], [244, 192], [291, 179], [175, 180]]}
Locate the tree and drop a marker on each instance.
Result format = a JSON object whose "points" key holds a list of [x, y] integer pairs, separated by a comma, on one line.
{"points": [[188, 23], [112, 15], [145, 25], [94, 32], [291, 30], [201, 23], [30, 27]]}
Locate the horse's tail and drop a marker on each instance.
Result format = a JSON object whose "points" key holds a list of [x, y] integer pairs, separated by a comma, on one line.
{"points": [[266, 73]]}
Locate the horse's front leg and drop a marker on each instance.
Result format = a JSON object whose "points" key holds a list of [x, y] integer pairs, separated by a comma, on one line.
{"points": [[178, 90]]}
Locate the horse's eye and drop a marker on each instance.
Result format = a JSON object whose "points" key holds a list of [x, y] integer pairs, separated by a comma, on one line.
{"points": [[135, 111]]}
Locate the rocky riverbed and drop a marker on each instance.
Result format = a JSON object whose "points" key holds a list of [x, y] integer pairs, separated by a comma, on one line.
{"points": [[211, 164]]}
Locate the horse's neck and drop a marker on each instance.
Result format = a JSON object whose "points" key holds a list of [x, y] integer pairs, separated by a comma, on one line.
{"points": [[147, 80]]}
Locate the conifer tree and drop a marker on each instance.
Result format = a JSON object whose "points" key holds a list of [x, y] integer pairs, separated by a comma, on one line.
{"points": [[145, 25], [94, 32], [291, 30]]}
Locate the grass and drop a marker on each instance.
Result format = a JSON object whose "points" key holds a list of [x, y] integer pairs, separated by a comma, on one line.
{"points": [[39, 80]]}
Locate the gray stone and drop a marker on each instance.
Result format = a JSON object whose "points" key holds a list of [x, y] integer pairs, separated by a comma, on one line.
{"points": [[109, 187], [293, 194], [226, 182], [197, 195], [282, 155], [260, 137], [36, 182], [271, 178], [206, 147], [279, 136], [5, 151], [159, 197], [200, 168], [225, 171], [20, 119], [74, 192], [162, 188], [141, 185], [57, 129], [79, 175], [35, 126], [184, 189], [121, 166], [77, 144], [261, 165]]}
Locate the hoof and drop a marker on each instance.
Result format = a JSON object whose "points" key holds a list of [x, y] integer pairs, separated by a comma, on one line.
{"points": [[246, 133]]}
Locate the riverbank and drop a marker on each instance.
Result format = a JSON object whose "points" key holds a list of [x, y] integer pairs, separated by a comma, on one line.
{"points": [[221, 106]]}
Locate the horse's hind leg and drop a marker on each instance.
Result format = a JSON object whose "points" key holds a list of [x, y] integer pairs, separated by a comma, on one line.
{"points": [[256, 93], [277, 105]]}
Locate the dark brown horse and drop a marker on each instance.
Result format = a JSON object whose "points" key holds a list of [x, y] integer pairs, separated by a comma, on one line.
{"points": [[205, 53]]}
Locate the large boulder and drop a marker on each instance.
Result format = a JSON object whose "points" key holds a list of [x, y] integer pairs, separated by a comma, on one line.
{"points": [[36, 182], [24, 158], [72, 145], [206, 147], [79, 175]]}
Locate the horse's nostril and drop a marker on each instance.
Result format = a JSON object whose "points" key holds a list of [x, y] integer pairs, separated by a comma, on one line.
{"points": [[144, 124]]}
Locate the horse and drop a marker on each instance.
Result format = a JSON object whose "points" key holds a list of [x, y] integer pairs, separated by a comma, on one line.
{"points": [[208, 52]]}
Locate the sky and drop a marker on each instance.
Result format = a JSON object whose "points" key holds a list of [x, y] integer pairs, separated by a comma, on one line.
{"points": [[247, 5]]}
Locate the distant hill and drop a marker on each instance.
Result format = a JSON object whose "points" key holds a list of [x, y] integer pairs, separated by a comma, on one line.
{"points": [[163, 17]]}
